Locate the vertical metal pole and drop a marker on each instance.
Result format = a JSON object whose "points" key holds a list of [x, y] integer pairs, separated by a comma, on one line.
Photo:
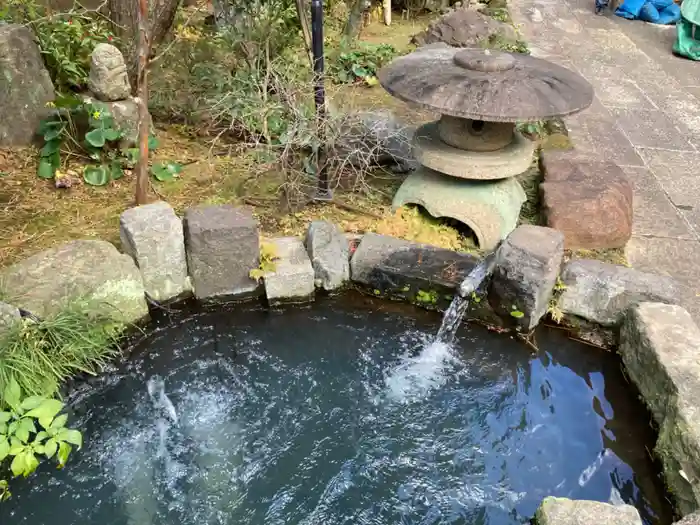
{"points": [[324, 192]]}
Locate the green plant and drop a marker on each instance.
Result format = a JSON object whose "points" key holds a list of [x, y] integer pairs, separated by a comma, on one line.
{"points": [[498, 41], [32, 428], [268, 257], [5, 493], [88, 128], [361, 65], [537, 128], [39, 356], [475, 297], [427, 297], [515, 313], [66, 40], [553, 308]]}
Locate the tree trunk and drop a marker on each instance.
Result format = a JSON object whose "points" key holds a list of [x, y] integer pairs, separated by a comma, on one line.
{"points": [[142, 48], [354, 23], [386, 7], [303, 14], [124, 17]]}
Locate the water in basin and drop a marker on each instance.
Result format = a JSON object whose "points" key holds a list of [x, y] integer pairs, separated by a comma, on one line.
{"points": [[345, 413]]}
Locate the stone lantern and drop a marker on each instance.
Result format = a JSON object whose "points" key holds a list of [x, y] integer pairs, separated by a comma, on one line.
{"points": [[470, 156]]}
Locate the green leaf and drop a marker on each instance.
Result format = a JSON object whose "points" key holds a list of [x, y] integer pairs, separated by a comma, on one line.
{"points": [[517, 314], [164, 171], [4, 449], [46, 422], [30, 463], [12, 428], [41, 436], [22, 434], [152, 142], [50, 448], [5, 417], [115, 171], [28, 424], [18, 465], [96, 138], [96, 175], [53, 133], [71, 436], [48, 408], [12, 395], [59, 422], [64, 450], [46, 169], [111, 134], [32, 402], [51, 147]]}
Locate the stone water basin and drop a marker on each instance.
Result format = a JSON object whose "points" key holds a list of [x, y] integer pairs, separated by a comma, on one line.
{"points": [[345, 413]]}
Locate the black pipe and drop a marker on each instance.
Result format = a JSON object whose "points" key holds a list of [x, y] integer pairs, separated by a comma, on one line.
{"points": [[324, 192]]}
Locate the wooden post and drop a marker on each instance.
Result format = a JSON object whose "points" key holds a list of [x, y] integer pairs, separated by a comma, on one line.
{"points": [[386, 7], [142, 94]]}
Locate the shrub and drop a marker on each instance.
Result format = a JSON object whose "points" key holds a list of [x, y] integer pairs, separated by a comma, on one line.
{"points": [[66, 40], [32, 428], [361, 64], [40, 355]]}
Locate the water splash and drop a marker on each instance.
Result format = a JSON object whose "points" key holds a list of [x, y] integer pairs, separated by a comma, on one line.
{"points": [[416, 376], [455, 313], [156, 391]]}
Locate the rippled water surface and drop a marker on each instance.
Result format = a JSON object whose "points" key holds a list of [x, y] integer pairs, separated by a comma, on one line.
{"points": [[344, 413]]}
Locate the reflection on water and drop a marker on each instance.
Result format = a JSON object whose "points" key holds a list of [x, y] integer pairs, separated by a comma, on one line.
{"points": [[345, 415]]}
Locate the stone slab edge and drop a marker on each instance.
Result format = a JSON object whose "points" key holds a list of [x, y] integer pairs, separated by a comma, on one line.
{"points": [[660, 349]]}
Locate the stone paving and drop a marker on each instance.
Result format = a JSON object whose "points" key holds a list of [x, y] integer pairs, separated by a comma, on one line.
{"points": [[645, 117]]}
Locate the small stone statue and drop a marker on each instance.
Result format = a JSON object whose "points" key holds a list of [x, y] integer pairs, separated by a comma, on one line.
{"points": [[108, 79]]}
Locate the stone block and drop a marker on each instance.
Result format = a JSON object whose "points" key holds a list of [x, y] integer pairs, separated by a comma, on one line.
{"points": [[463, 28], [153, 236], [9, 315], [79, 270], [423, 274], [659, 345], [590, 202], [527, 266], [563, 511], [292, 281], [329, 250], [602, 292], [108, 79], [690, 519], [222, 246], [26, 86]]}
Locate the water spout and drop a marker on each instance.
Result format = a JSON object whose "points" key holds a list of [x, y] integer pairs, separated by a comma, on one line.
{"points": [[455, 313]]}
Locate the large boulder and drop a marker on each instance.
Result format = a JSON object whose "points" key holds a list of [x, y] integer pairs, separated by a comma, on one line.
{"points": [[153, 236], [223, 246], [527, 267], [463, 28], [690, 519], [590, 202], [26, 86], [292, 280], [329, 251], [108, 79], [602, 292], [369, 138], [563, 511], [9, 315], [659, 345], [79, 270]]}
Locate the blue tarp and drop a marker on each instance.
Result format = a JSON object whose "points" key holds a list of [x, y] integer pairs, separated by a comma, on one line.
{"points": [[655, 11]]}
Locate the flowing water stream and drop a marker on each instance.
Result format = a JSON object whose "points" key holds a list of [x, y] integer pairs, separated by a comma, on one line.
{"points": [[344, 413]]}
